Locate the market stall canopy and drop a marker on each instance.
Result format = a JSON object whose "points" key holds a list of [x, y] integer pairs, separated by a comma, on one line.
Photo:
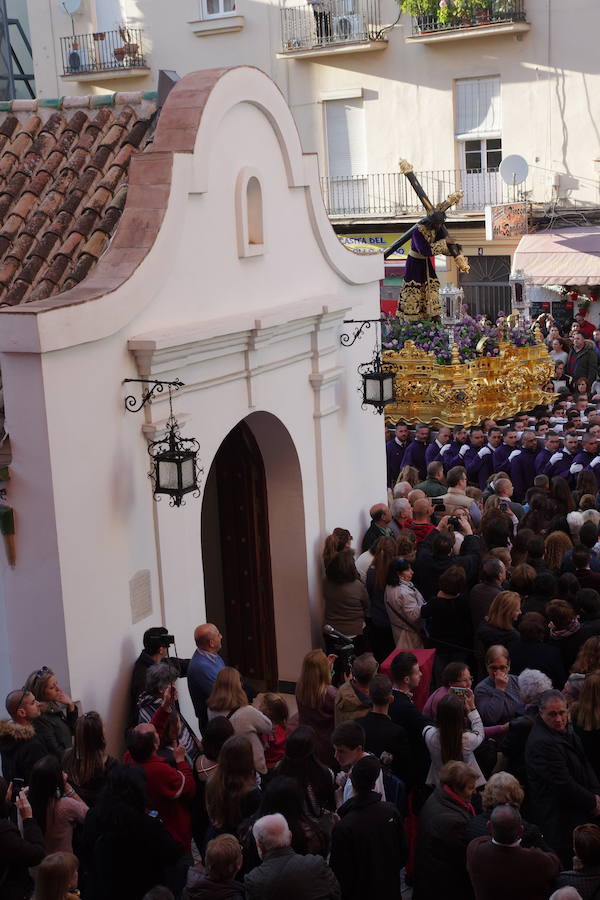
{"points": [[560, 256]]}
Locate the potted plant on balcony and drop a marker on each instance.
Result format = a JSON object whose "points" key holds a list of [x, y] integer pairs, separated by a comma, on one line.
{"points": [[421, 10], [128, 48]]}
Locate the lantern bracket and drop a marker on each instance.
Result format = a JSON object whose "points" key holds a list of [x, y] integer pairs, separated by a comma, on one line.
{"points": [[134, 405], [346, 340]]}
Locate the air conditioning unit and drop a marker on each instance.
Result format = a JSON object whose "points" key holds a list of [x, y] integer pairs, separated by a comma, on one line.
{"points": [[348, 28]]}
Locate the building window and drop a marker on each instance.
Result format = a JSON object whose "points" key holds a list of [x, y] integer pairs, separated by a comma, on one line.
{"points": [[254, 211], [346, 156], [479, 139], [212, 8], [249, 213]]}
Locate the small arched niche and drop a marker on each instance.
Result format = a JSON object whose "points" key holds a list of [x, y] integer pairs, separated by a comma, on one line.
{"points": [[249, 213]]}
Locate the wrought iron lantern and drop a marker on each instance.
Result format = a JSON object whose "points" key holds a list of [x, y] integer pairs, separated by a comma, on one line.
{"points": [[377, 377], [175, 470], [377, 383]]}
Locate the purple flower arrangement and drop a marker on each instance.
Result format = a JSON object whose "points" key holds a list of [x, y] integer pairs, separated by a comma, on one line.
{"points": [[434, 337]]}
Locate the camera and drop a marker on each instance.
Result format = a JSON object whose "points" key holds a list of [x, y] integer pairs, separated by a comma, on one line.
{"points": [[155, 638], [503, 506], [438, 502], [342, 646], [455, 522]]}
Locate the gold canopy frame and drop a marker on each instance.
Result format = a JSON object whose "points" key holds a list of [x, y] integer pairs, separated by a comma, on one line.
{"points": [[495, 387]]}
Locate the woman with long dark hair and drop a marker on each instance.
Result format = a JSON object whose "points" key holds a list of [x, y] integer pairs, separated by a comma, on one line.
{"points": [[126, 850], [380, 633], [56, 807], [456, 736], [301, 763], [87, 763], [346, 598], [232, 794], [284, 795], [562, 496]]}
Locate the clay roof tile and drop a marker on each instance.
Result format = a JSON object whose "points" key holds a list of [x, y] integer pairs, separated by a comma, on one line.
{"points": [[62, 190]]}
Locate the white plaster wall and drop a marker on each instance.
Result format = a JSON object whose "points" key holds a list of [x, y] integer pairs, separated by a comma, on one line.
{"points": [[97, 453], [550, 81]]}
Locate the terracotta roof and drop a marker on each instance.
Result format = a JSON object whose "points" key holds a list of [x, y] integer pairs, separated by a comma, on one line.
{"points": [[63, 183]]}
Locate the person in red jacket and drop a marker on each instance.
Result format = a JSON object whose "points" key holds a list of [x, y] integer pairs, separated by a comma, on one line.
{"points": [[169, 787]]}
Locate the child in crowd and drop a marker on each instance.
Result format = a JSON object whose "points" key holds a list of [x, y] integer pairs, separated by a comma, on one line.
{"points": [[275, 707]]}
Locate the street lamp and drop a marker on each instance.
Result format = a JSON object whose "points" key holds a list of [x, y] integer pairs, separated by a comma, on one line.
{"points": [[175, 470], [377, 376]]}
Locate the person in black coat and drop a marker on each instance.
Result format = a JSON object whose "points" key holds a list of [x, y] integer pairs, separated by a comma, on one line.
{"points": [[284, 873], [448, 614], [381, 734], [368, 847], [440, 863], [21, 746], [532, 651], [18, 853], [436, 554], [125, 850], [406, 676], [563, 788], [156, 649]]}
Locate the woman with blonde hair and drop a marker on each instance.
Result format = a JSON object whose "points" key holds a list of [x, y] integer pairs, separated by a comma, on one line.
{"points": [[229, 699], [555, 546], [588, 660], [410, 474], [585, 715], [58, 712], [339, 539], [315, 696], [56, 877], [503, 788], [499, 624]]}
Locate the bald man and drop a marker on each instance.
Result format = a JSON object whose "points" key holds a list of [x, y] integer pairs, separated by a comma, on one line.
{"points": [[380, 520], [204, 667], [420, 523]]}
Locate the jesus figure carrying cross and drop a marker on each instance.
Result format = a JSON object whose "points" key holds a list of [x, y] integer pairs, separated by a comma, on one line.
{"points": [[420, 294]]}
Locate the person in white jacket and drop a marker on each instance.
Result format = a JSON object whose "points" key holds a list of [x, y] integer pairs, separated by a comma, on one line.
{"points": [[403, 603], [458, 733]]}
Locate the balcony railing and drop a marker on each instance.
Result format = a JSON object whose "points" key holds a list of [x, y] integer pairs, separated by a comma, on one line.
{"points": [[493, 12], [330, 23], [389, 194], [103, 51]]}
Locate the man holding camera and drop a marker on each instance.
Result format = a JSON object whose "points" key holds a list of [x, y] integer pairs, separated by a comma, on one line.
{"points": [[156, 648]]}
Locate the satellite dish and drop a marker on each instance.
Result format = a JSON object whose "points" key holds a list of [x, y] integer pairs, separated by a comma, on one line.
{"points": [[514, 169], [70, 6]]}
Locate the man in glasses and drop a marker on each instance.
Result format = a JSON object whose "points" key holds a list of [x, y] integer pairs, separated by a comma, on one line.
{"points": [[20, 745]]}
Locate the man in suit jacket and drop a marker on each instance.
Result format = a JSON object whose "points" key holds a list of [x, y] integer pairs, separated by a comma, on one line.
{"points": [[499, 867]]}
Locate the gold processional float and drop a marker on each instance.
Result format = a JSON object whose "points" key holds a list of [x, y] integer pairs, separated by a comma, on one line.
{"points": [[459, 393]]}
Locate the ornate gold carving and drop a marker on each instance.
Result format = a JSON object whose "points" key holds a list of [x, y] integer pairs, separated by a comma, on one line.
{"points": [[428, 233], [466, 393], [450, 200], [440, 247], [405, 167], [462, 263]]}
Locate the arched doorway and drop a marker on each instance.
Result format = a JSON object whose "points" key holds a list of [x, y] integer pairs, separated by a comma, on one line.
{"points": [[254, 552]]}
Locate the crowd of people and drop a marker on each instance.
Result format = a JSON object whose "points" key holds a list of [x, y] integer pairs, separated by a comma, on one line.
{"points": [[451, 748]]}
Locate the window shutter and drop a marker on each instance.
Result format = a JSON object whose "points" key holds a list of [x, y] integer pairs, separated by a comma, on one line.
{"points": [[346, 138], [478, 110]]}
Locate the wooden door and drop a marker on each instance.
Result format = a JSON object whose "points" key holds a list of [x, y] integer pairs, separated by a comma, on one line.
{"points": [[246, 558]]}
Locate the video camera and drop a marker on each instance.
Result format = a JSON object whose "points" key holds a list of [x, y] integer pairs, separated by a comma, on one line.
{"points": [[155, 638]]}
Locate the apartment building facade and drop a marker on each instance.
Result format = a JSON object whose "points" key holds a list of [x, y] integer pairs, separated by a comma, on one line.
{"points": [[368, 85]]}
